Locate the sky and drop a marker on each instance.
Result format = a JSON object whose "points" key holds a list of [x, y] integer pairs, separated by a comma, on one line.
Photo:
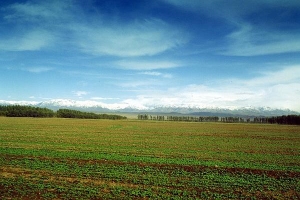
{"points": [[193, 53]]}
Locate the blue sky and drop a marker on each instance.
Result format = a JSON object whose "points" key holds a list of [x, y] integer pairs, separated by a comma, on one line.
{"points": [[214, 53]]}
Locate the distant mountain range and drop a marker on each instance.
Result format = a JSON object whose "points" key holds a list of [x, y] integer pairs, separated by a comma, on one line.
{"points": [[94, 106]]}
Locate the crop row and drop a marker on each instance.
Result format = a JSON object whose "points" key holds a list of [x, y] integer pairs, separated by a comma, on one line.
{"points": [[110, 179], [54, 154]]}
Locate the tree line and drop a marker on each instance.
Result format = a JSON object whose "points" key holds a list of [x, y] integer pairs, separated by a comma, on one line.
{"points": [[284, 119], [67, 113], [178, 118], [30, 111], [25, 111]]}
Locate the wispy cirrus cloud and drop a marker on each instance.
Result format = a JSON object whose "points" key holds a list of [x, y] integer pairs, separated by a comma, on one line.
{"points": [[35, 25], [139, 38], [155, 73], [38, 69], [249, 40], [38, 10], [285, 75], [145, 64], [251, 36], [141, 84], [31, 40]]}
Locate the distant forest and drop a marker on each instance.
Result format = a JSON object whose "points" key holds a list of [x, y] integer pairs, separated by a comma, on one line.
{"points": [[284, 119], [66, 113], [29, 111]]}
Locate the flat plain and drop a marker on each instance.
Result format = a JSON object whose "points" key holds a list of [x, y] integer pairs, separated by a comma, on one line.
{"points": [[129, 159]]}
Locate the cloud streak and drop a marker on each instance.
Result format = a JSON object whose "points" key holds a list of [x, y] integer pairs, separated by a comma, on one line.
{"points": [[250, 38], [251, 41], [158, 74], [145, 65], [32, 40], [286, 75], [38, 69], [32, 11], [140, 38]]}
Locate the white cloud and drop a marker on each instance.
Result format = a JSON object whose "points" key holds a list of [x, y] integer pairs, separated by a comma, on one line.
{"points": [[249, 40], [38, 69], [137, 84], [275, 89], [167, 75], [80, 94], [30, 41], [286, 75], [148, 37], [145, 37], [151, 73], [146, 65], [193, 96], [154, 73], [35, 25], [35, 10], [278, 89]]}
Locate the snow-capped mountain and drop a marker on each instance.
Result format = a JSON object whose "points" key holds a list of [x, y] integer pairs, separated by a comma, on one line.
{"points": [[56, 104], [95, 106]]}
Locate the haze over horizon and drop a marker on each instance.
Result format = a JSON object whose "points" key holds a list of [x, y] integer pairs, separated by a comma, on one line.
{"points": [[214, 53]]}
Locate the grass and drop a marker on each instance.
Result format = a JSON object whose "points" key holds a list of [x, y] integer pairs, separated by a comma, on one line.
{"points": [[104, 159]]}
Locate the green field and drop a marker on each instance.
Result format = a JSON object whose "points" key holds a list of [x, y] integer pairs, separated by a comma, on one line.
{"points": [[129, 159]]}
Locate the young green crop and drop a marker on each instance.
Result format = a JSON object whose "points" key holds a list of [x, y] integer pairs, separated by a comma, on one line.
{"points": [[102, 159]]}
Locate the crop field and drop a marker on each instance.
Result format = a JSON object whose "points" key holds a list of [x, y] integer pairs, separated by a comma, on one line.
{"points": [[129, 159]]}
